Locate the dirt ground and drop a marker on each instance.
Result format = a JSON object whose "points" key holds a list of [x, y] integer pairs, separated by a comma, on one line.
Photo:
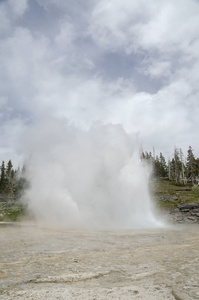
{"points": [[43, 263]]}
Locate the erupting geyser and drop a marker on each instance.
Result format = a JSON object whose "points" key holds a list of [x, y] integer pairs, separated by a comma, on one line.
{"points": [[87, 178]]}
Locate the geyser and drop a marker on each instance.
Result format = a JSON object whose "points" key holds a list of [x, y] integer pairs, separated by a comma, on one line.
{"points": [[87, 178]]}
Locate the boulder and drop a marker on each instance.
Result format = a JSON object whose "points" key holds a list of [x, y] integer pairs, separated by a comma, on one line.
{"points": [[188, 206]]}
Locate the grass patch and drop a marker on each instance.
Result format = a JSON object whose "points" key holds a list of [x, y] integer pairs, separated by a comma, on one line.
{"points": [[168, 195], [12, 212]]}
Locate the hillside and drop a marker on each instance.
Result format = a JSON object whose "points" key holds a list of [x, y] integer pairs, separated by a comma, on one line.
{"points": [[168, 195], [181, 202]]}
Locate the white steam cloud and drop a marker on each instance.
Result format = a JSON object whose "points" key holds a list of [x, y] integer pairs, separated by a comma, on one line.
{"points": [[84, 178]]}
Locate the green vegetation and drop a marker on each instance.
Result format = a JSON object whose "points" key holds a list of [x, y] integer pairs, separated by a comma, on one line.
{"points": [[12, 182], [168, 195], [176, 182], [12, 212], [179, 169], [12, 186]]}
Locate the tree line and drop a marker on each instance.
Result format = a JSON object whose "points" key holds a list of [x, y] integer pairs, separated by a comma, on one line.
{"points": [[181, 169], [12, 182]]}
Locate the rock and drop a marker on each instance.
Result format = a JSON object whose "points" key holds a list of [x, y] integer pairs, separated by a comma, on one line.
{"points": [[183, 190], [174, 211], [188, 212], [185, 210], [188, 206], [191, 218], [194, 214], [164, 198]]}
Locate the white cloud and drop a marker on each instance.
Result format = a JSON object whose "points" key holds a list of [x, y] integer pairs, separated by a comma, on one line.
{"points": [[65, 36], [131, 24], [159, 69], [165, 31], [18, 7], [59, 73], [5, 22]]}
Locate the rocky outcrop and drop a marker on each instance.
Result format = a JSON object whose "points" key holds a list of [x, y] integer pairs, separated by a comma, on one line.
{"points": [[186, 213]]}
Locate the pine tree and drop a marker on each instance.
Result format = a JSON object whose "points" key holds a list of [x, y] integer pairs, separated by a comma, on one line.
{"points": [[157, 167], [21, 183], [191, 165], [10, 180], [3, 178], [142, 156], [163, 166], [172, 169]]}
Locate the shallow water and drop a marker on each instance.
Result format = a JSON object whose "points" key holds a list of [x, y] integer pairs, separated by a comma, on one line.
{"points": [[46, 263]]}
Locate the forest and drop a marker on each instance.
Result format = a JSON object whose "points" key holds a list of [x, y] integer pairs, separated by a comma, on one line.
{"points": [[12, 182], [181, 169]]}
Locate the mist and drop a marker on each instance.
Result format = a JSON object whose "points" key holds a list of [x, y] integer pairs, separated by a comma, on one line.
{"points": [[90, 178]]}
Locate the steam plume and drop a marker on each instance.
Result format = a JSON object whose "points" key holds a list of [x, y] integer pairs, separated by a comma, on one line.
{"points": [[79, 178]]}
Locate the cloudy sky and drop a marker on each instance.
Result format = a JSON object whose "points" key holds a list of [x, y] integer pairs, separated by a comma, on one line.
{"points": [[128, 62]]}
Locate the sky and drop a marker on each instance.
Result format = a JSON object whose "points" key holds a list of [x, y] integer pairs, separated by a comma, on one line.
{"points": [[82, 63]]}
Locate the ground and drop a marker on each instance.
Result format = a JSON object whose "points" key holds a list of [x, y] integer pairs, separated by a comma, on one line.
{"points": [[167, 195], [43, 263]]}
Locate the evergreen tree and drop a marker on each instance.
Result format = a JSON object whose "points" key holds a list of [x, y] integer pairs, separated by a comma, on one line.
{"points": [[172, 169], [3, 178], [163, 166], [12, 182], [9, 188], [157, 167], [142, 156], [21, 183], [191, 165], [176, 169], [197, 166], [158, 164]]}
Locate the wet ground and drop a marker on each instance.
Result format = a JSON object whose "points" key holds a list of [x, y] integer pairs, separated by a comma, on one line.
{"points": [[43, 263]]}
